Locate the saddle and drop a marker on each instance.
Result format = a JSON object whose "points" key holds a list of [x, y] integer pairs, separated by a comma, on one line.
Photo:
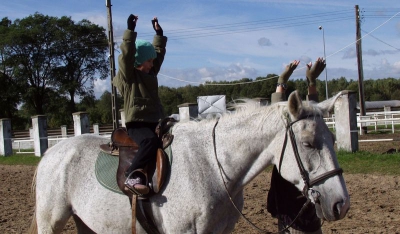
{"points": [[125, 148]]}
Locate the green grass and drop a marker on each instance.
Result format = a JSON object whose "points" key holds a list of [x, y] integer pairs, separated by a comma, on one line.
{"points": [[20, 159], [359, 162], [369, 163]]}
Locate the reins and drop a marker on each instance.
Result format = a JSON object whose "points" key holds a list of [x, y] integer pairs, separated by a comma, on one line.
{"points": [[307, 182], [226, 189]]}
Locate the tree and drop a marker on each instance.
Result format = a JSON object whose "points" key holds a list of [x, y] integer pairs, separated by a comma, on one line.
{"points": [[29, 49], [50, 54], [57, 110], [105, 108], [9, 87], [170, 99], [82, 57], [99, 110]]}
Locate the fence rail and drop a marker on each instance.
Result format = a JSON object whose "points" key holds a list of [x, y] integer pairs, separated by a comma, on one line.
{"points": [[375, 119], [27, 143]]}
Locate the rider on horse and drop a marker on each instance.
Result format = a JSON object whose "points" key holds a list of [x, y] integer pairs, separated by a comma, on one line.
{"points": [[136, 80]]}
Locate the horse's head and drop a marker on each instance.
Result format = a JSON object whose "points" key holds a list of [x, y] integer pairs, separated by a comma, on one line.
{"points": [[309, 160]]}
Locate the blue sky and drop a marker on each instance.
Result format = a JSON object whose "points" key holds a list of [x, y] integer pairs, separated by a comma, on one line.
{"points": [[225, 40]]}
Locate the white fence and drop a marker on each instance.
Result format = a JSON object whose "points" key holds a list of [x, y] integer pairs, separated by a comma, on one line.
{"points": [[387, 119], [27, 143]]}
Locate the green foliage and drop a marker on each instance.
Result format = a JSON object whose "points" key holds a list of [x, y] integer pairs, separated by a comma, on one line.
{"points": [[263, 87], [42, 55], [170, 99], [82, 59], [9, 87], [99, 111]]}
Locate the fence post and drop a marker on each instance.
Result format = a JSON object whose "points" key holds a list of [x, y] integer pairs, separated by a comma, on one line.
{"points": [[5, 137], [81, 123], [387, 116], [64, 131], [262, 101], [40, 141], [31, 133], [96, 130], [187, 111], [346, 121]]}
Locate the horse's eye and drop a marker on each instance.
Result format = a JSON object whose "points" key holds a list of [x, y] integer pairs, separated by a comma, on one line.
{"points": [[307, 144]]}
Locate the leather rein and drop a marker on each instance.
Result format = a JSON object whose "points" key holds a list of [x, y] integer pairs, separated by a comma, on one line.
{"points": [[304, 174]]}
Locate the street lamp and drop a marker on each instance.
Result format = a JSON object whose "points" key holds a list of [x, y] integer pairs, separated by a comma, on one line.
{"points": [[326, 70]]}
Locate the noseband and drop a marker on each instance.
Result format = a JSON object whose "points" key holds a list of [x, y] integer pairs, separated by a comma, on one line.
{"points": [[307, 182]]}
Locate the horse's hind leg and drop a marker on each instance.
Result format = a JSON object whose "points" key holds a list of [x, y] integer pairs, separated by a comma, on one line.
{"points": [[51, 219], [81, 226]]}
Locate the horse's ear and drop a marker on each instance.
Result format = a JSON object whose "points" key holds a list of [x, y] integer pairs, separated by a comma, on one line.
{"points": [[327, 105], [295, 105]]}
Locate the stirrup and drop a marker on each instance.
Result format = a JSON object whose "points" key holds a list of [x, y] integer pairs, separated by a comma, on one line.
{"points": [[132, 188]]}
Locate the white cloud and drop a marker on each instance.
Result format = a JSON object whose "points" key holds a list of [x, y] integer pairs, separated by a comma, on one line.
{"points": [[100, 86], [396, 67], [183, 77]]}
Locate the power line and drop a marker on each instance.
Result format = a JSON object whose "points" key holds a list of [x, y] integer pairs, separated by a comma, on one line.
{"points": [[255, 25], [368, 34], [380, 40]]}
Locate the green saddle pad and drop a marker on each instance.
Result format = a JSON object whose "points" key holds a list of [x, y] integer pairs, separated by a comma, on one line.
{"points": [[106, 171]]}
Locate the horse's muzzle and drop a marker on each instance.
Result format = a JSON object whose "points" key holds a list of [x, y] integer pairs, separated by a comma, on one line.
{"points": [[340, 209]]}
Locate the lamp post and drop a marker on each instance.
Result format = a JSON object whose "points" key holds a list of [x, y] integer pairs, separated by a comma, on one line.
{"points": [[326, 70]]}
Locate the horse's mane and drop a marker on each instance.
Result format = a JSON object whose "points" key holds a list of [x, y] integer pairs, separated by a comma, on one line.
{"points": [[249, 108]]}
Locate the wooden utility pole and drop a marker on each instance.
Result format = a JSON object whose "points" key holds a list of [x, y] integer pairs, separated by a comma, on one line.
{"points": [[112, 66], [360, 68]]}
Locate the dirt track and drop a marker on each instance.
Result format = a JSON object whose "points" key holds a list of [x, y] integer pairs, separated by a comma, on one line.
{"points": [[374, 208]]}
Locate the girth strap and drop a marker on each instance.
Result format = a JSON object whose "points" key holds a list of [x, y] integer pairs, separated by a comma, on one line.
{"points": [[142, 214], [146, 218]]}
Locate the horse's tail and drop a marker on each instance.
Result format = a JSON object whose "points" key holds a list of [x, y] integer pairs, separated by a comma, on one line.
{"points": [[33, 228]]}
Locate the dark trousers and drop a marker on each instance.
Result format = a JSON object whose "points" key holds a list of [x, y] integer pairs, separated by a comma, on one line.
{"points": [[143, 134]]}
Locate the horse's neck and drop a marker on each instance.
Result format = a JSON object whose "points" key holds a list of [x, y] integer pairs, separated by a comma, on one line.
{"points": [[247, 145]]}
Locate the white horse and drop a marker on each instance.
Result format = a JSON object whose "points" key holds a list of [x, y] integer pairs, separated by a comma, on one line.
{"points": [[211, 164]]}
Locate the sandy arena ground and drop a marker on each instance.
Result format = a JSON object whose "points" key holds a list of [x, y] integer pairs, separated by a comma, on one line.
{"points": [[375, 206]]}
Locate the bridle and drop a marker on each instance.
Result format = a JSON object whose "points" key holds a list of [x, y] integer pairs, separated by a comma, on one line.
{"points": [[308, 184]]}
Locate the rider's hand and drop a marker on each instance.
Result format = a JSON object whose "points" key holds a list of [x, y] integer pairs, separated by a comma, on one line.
{"points": [[284, 77], [313, 71], [157, 26], [132, 19]]}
